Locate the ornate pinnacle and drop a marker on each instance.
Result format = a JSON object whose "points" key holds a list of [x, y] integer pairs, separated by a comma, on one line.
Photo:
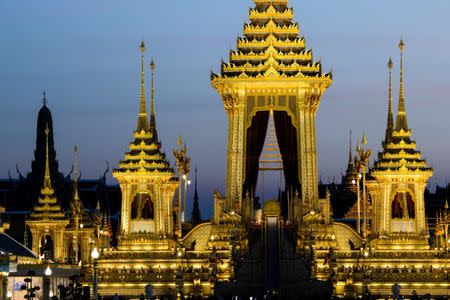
{"points": [[390, 64], [142, 122], [401, 117], [364, 140], [390, 118], [152, 109], [401, 45], [47, 182], [44, 99]]}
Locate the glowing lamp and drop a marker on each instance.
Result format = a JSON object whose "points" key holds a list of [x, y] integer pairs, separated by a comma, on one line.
{"points": [[48, 271], [94, 253]]}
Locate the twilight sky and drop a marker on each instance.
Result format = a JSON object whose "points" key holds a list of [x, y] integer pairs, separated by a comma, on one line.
{"points": [[85, 55]]}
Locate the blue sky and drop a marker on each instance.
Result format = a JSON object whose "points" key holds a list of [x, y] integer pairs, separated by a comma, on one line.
{"points": [[85, 55]]}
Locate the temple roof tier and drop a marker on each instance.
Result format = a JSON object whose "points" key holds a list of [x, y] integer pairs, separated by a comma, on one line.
{"points": [[271, 47], [271, 13]]}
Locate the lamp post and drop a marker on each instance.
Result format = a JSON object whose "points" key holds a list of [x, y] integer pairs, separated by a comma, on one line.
{"points": [[47, 274], [4, 283], [95, 255]]}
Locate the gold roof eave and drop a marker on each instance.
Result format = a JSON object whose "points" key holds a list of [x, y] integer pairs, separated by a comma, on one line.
{"points": [[142, 174], [325, 79], [271, 13], [270, 1], [425, 174]]}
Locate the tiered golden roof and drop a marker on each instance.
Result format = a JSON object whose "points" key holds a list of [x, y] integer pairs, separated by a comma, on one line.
{"points": [[47, 207], [271, 47], [145, 155], [399, 151]]}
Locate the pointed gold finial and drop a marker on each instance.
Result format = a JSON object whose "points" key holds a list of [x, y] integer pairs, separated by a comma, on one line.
{"points": [[142, 122], [152, 110], [75, 173], [47, 180], [401, 45], [350, 158], [401, 117], [364, 140], [180, 141], [390, 117]]}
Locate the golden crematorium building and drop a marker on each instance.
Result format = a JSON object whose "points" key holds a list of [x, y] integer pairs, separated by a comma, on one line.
{"points": [[290, 246]]}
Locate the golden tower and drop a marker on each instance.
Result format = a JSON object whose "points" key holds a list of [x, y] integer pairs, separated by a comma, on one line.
{"points": [[401, 176], [47, 221], [271, 70], [147, 183]]}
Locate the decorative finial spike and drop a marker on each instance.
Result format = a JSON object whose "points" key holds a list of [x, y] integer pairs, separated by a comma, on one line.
{"points": [[143, 120], [152, 107], [44, 98], [390, 117], [364, 140], [47, 180], [152, 65], [401, 45], [350, 158], [401, 123]]}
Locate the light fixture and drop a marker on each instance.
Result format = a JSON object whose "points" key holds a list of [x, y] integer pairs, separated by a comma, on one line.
{"points": [[9, 294], [360, 175], [189, 182], [50, 294], [333, 237], [184, 176], [48, 271], [94, 253], [353, 181], [81, 225], [366, 254]]}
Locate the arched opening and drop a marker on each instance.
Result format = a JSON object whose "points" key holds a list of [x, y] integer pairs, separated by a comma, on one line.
{"points": [[47, 247], [142, 207], [402, 206], [278, 168]]}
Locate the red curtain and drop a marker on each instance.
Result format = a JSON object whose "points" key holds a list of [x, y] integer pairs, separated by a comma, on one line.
{"points": [[256, 134]]}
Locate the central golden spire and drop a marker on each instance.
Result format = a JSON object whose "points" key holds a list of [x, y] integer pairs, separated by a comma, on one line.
{"points": [[143, 120], [401, 122]]}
